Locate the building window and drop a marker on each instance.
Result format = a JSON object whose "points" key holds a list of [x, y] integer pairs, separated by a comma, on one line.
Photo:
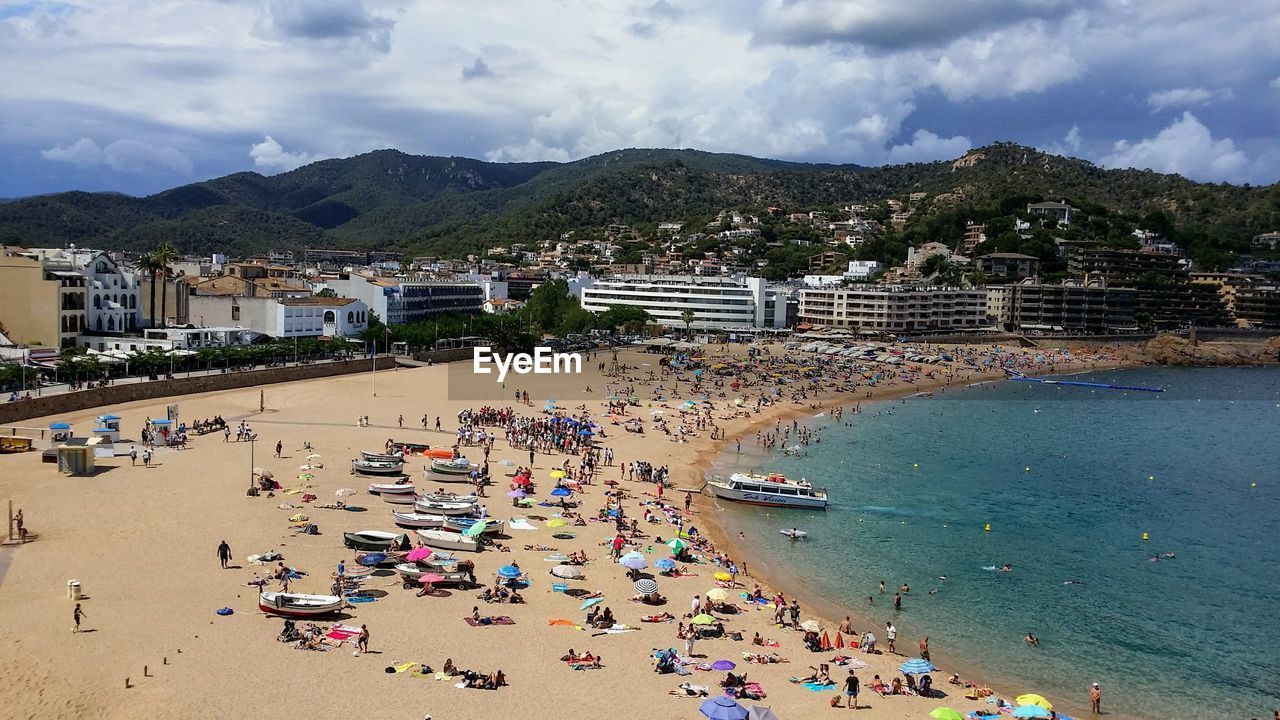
{"points": [[330, 317], [133, 302], [235, 313], [351, 318], [97, 302]]}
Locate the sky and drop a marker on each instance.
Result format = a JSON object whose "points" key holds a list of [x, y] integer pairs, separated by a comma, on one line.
{"points": [[137, 96]]}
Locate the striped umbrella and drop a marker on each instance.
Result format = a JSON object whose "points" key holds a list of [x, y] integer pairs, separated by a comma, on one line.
{"points": [[509, 572], [645, 586], [916, 666]]}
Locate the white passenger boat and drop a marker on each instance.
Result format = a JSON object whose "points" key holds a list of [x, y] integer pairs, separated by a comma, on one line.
{"points": [[773, 490]]}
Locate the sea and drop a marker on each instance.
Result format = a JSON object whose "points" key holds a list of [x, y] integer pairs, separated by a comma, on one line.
{"points": [[1143, 531]]}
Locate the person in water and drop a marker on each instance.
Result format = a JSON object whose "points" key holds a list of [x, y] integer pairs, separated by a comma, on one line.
{"points": [[1031, 640]]}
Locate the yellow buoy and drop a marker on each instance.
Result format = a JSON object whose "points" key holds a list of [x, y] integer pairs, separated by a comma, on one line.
{"points": [[988, 527], [1144, 536]]}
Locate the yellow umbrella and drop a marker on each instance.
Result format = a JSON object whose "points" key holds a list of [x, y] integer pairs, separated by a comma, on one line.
{"points": [[702, 619], [945, 713], [555, 523], [718, 594], [1033, 699], [723, 576], [557, 474]]}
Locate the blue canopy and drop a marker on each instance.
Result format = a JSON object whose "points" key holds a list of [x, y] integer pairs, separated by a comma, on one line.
{"points": [[561, 492], [109, 417], [59, 426], [161, 422], [723, 708]]}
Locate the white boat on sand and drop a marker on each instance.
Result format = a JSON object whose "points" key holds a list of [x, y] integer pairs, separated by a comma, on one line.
{"points": [[448, 540], [298, 605], [419, 520], [391, 488], [367, 467], [441, 507]]}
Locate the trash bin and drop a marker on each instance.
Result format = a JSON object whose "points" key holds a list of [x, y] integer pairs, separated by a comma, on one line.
{"points": [[73, 589]]}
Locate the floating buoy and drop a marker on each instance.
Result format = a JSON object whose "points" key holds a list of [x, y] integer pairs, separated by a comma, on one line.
{"points": [[1144, 536], [917, 466], [987, 528], [1253, 484], [1151, 477], [1026, 469]]}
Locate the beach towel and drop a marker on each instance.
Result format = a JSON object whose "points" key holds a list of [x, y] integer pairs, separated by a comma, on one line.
{"points": [[815, 687], [559, 587], [520, 524], [401, 667], [341, 634], [500, 620], [361, 599]]}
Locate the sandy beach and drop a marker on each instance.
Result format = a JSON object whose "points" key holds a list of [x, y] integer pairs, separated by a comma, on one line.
{"points": [[142, 542]]}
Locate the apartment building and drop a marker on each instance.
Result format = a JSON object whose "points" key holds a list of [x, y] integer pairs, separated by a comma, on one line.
{"points": [[894, 309], [284, 317], [406, 300], [717, 302], [42, 301], [1068, 307]]}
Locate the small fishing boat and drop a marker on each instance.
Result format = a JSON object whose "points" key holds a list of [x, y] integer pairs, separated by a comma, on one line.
{"points": [[440, 507], [375, 540], [418, 520], [412, 575], [399, 498], [458, 466], [773, 490], [794, 534], [381, 457], [459, 523], [298, 605], [446, 540], [405, 488], [450, 497], [366, 467]]}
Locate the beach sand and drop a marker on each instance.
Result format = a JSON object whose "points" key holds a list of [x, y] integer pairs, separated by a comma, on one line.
{"points": [[142, 542]]}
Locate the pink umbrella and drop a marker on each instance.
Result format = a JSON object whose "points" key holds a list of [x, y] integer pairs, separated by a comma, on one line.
{"points": [[418, 553], [430, 578]]}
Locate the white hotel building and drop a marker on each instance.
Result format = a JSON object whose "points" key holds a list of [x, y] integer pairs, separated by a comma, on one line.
{"points": [[894, 309], [717, 302]]}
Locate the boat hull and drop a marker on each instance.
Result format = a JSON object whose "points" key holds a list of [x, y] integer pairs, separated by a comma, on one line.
{"points": [[444, 467], [767, 499], [448, 541], [460, 524], [444, 508], [391, 488], [296, 605], [418, 520], [367, 468], [367, 541]]}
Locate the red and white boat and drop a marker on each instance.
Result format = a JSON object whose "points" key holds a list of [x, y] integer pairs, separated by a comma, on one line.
{"points": [[298, 605]]}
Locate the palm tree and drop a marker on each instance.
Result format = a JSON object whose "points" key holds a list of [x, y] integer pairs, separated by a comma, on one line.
{"points": [[687, 318], [147, 263], [164, 255]]}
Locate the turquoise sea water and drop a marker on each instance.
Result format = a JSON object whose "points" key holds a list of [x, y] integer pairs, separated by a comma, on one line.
{"points": [[1195, 636]]}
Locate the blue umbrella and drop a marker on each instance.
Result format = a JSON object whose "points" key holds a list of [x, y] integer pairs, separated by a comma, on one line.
{"points": [[916, 666], [1030, 711], [561, 492], [723, 708], [372, 559], [665, 564], [633, 561], [509, 571], [589, 602], [585, 432], [59, 426]]}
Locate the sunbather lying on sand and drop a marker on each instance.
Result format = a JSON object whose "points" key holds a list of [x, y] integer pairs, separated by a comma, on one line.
{"points": [[689, 690]]}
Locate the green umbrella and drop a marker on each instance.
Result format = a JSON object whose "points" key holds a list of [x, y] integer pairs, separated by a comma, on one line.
{"points": [[476, 528], [703, 619], [945, 713], [677, 544]]}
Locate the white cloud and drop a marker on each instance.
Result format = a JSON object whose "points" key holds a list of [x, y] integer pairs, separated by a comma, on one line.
{"points": [[1185, 97], [1185, 147], [271, 157], [1072, 139], [125, 156], [532, 151], [925, 146], [1275, 84]]}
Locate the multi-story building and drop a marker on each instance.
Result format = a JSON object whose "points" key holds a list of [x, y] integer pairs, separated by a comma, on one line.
{"points": [[1228, 284], [1063, 212], [1069, 307], [406, 300], [894, 309], [1009, 265], [1119, 265], [717, 302], [974, 235], [1258, 307], [42, 301], [318, 256], [112, 297], [284, 317]]}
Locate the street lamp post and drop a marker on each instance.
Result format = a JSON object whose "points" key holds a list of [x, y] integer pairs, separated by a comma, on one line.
{"points": [[252, 442]]}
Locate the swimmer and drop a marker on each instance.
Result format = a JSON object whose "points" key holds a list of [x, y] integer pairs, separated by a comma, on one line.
{"points": [[1072, 582], [943, 578], [1031, 640], [1006, 568]]}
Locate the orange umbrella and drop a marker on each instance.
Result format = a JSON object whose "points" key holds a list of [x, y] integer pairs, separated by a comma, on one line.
{"points": [[839, 641], [826, 641], [560, 622]]}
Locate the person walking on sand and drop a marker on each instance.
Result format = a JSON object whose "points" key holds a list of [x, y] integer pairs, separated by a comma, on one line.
{"points": [[688, 501], [924, 647], [363, 643], [890, 635], [400, 420], [133, 454], [1095, 698], [224, 554], [279, 447], [851, 690], [78, 613]]}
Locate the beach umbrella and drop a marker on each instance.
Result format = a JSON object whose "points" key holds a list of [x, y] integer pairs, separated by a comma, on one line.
{"points": [[509, 572], [590, 601], [703, 619], [422, 552], [262, 472], [343, 492], [566, 571], [516, 494], [723, 576], [633, 561], [522, 480], [1034, 699], [585, 432], [717, 594], [1030, 711], [646, 586], [561, 492], [476, 528], [723, 708], [665, 564], [431, 578], [723, 665], [677, 544], [561, 622], [945, 713], [556, 522], [760, 712], [557, 474], [371, 559], [916, 666], [812, 626]]}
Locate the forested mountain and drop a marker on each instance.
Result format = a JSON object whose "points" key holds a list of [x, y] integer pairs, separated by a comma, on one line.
{"points": [[451, 206]]}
